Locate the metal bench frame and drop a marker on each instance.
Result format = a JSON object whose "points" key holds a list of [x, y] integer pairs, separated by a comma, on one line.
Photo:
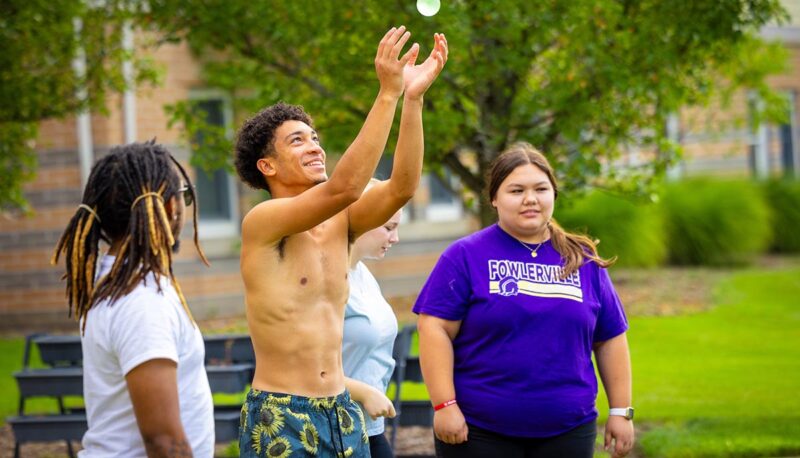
{"points": [[230, 363]]}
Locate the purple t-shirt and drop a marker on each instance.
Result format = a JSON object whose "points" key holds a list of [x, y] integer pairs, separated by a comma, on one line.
{"points": [[523, 355]]}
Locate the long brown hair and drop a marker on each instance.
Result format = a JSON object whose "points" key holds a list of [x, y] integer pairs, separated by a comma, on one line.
{"points": [[123, 201], [574, 248]]}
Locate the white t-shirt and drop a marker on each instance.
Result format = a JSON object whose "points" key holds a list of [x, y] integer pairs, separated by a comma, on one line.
{"points": [[143, 325]]}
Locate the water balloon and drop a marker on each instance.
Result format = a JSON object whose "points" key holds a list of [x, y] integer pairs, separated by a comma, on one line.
{"points": [[428, 7]]}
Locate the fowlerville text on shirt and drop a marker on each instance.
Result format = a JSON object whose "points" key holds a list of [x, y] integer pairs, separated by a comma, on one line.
{"points": [[509, 278]]}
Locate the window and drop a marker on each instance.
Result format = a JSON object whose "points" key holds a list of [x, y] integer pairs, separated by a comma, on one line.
{"points": [[774, 149], [443, 206], [216, 190], [787, 133], [384, 169], [758, 154], [440, 193], [787, 149]]}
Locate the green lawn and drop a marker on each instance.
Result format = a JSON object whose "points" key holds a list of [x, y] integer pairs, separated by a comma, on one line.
{"points": [[11, 361], [721, 382]]}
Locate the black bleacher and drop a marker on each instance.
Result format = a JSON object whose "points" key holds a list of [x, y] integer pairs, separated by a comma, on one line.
{"points": [[230, 363], [407, 369]]}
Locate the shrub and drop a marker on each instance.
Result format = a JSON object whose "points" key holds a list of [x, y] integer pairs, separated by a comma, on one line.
{"points": [[783, 197], [629, 230], [715, 222]]}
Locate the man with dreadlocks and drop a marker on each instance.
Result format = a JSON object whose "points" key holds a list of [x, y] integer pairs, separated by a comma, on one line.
{"points": [[145, 385], [294, 257]]}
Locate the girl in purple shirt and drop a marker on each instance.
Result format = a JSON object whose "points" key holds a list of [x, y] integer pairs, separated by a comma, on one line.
{"points": [[509, 319]]}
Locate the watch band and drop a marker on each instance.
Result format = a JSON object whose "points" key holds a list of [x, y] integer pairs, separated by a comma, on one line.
{"points": [[626, 412]]}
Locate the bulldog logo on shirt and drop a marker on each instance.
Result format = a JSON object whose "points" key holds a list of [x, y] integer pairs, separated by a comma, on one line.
{"points": [[509, 287]]}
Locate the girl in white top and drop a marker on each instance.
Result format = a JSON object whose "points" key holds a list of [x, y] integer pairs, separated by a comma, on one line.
{"points": [[370, 328]]}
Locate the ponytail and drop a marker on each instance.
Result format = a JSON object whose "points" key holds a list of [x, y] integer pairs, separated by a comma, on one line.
{"points": [[575, 249]]}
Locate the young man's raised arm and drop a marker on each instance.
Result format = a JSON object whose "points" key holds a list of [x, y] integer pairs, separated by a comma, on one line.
{"points": [[381, 201], [280, 217]]}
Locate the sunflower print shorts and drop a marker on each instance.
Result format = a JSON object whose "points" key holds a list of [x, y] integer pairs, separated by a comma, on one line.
{"points": [[284, 425]]}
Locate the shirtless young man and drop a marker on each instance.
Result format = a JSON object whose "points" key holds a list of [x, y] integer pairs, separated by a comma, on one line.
{"points": [[295, 255]]}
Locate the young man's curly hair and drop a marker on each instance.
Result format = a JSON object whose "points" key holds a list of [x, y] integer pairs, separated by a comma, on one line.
{"points": [[256, 139]]}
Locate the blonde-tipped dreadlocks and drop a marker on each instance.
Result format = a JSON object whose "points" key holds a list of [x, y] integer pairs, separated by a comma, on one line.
{"points": [[123, 203]]}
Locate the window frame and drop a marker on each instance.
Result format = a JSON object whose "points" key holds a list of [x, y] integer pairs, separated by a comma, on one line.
{"points": [[442, 211], [223, 227]]}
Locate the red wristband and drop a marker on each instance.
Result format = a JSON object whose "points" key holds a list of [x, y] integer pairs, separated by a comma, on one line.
{"points": [[444, 404]]}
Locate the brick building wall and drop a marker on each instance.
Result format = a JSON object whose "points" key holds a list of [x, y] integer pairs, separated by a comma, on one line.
{"points": [[32, 293], [721, 141]]}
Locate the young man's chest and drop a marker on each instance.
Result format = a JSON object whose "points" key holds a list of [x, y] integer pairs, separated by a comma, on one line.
{"points": [[310, 266]]}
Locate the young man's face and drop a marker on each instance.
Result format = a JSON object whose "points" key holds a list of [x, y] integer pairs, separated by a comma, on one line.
{"points": [[298, 158]]}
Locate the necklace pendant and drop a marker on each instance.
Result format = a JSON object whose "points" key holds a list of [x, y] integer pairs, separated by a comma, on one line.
{"points": [[533, 254]]}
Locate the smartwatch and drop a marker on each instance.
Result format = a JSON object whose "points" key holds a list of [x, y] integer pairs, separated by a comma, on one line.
{"points": [[626, 412]]}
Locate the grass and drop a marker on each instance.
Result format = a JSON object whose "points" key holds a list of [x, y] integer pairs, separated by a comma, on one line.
{"points": [[745, 349], [749, 436], [718, 380], [11, 351], [10, 361], [722, 382]]}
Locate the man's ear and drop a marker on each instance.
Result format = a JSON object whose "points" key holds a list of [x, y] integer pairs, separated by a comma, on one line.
{"points": [[266, 166], [171, 206]]}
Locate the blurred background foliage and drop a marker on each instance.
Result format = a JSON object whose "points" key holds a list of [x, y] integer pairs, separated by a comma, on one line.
{"points": [[580, 79], [40, 41], [784, 199], [632, 231], [699, 221], [583, 80]]}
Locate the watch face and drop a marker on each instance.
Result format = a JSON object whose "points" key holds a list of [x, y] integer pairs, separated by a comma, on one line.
{"points": [[629, 413]]}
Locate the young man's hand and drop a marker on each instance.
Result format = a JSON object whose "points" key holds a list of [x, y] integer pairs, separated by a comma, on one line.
{"points": [[387, 65], [418, 78]]}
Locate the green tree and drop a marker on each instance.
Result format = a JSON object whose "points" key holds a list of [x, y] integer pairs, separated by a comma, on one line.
{"points": [[39, 40], [580, 79]]}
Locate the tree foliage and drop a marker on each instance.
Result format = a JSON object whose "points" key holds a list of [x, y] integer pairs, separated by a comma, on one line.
{"points": [[581, 79], [40, 39]]}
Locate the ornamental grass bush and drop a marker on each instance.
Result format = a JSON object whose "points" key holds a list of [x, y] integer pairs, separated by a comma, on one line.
{"points": [[632, 231], [715, 222], [783, 198]]}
